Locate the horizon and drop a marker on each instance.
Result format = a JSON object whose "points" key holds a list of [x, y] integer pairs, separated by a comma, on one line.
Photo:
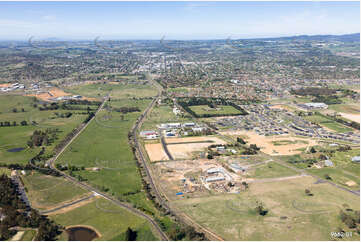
{"points": [[75, 21]]}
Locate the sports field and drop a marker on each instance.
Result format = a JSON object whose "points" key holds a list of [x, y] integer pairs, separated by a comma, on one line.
{"points": [[292, 215]]}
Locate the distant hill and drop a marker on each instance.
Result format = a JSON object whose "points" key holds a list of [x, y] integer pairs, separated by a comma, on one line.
{"points": [[344, 38]]}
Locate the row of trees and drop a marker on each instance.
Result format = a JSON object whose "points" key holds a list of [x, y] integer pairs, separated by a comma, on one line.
{"points": [[13, 123]]}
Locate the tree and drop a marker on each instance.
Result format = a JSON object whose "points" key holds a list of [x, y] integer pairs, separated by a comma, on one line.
{"points": [[240, 140], [327, 177], [260, 209], [130, 235], [24, 123], [313, 150], [15, 110], [308, 192], [210, 156]]}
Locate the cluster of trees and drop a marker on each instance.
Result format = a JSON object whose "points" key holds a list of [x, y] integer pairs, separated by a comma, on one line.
{"points": [[43, 138], [125, 110], [313, 91], [333, 99], [69, 167], [63, 115], [16, 213], [68, 105], [89, 117], [351, 124], [260, 209], [251, 150], [15, 110], [351, 218], [14, 123], [211, 102]]}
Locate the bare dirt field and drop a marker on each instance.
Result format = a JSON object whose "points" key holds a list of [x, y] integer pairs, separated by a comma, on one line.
{"points": [[5, 84], [280, 106], [182, 148], [54, 93], [267, 143], [352, 117], [156, 152]]}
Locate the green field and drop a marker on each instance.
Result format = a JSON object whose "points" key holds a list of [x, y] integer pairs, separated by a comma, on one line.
{"points": [[100, 90], [270, 170], [162, 114], [17, 137], [346, 108], [45, 192], [291, 214], [28, 235], [220, 110], [108, 219], [328, 123]]}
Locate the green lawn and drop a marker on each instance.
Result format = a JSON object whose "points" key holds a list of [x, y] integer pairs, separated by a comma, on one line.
{"points": [[271, 170], [28, 235], [99, 90], [109, 219], [328, 123], [48, 191], [220, 110], [290, 211], [346, 108]]}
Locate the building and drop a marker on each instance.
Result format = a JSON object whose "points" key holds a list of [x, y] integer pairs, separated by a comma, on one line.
{"points": [[213, 179], [356, 159], [314, 105]]}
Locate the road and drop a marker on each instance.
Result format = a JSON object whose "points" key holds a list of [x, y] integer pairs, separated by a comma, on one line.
{"points": [[68, 204], [141, 158], [126, 206]]}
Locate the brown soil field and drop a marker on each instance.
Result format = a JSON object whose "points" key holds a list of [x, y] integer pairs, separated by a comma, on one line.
{"points": [[280, 106], [266, 145], [5, 84], [54, 93], [74, 206], [184, 151], [156, 152], [352, 117]]}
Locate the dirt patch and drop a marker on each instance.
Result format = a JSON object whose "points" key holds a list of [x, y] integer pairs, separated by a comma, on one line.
{"points": [[352, 117], [280, 106], [55, 93], [5, 84], [267, 143], [181, 148], [156, 152], [351, 183]]}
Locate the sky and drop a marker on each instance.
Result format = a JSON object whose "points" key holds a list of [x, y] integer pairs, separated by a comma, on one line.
{"points": [[175, 20]]}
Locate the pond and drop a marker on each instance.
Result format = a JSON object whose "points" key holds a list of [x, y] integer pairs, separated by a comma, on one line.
{"points": [[15, 149], [80, 233]]}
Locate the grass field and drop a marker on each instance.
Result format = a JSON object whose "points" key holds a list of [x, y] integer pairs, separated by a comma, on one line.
{"points": [[45, 192], [28, 235], [162, 114], [17, 137], [346, 108], [328, 123], [5, 171], [108, 219], [99, 90], [271, 170], [220, 110], [291, 214]]}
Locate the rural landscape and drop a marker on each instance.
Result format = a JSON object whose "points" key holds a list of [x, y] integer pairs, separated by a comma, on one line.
{"points": [[224, 139]]}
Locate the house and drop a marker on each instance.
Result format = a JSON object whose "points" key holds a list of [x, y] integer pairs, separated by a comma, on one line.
{"points": [[356, 159], [328, 163]]}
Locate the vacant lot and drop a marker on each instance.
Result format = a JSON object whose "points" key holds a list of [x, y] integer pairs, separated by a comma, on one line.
{"points": [[156, 152], [219, 110], [182, 148], [270, 170], [45, 192], [275, 145], [108, 219], [290, 211], [51, 93], [119, 90]]}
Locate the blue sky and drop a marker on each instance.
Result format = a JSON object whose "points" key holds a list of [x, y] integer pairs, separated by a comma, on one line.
{"points": [[175, 20]]}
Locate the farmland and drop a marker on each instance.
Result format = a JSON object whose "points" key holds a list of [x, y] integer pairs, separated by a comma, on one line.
{"points": [[290, 211], [22, 108], [107, 219]]}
